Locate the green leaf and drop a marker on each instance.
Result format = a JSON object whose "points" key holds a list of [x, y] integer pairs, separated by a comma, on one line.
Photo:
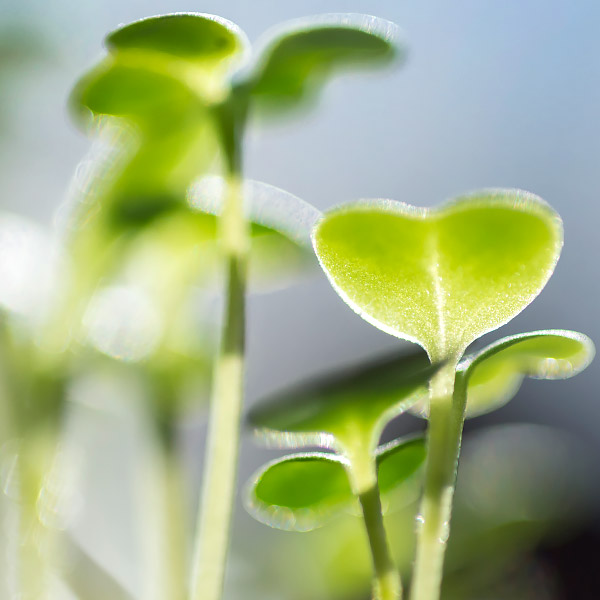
{"points": [[440, 277], [151, 99], [303, 491], [345, 411], [494, 375], [304, 54], [281, 248], [398, 461], [299, 492], [194, 37]]}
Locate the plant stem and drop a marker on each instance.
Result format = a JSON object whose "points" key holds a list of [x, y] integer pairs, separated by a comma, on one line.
{"points": [[220, 466], [386, 585], [446, 418], [165, 546], [363, 478]]}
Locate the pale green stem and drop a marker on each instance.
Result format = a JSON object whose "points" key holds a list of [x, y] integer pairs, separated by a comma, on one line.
{"points": [[38, 496], [165, 544], [220, 466], [363, 475], [446, 418]]}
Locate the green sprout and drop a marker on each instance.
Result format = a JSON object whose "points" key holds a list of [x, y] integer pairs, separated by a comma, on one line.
{"points": [[346, 414], [442, 278], [178, 91]]}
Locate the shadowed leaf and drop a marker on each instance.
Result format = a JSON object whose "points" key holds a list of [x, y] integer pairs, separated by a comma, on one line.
{"points": [[440, 277], [346, 410]]}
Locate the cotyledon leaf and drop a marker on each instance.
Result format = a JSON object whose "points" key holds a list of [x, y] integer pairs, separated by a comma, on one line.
{"points": [[298, 57], [494, 375], [189, 36], [198, 49], [346, 411], [160, 70], [440, 277], [301, 492]]}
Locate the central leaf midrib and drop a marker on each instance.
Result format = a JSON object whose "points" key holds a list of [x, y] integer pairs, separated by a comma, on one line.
{"points": [[439, 298]]}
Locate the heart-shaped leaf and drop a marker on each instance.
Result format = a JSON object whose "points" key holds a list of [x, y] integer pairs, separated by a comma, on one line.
{"points": [[440, 277], [302, 55], [494, 375], [301, 492], [346, 411]]}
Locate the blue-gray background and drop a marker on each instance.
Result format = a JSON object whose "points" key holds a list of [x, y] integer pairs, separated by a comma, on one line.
{"points": [[493, 94]]}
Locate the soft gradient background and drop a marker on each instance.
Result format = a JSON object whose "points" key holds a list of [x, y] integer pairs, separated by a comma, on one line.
{"points": [[493, 94]]}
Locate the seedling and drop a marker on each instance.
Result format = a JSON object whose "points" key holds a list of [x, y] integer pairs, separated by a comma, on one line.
{"points": [[346, 414], [172, 79], [442, 278]]}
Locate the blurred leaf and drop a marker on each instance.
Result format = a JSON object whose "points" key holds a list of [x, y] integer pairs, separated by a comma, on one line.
{"points": [[153, 99], [194, 37], [300, 59], [281, 224], [346, 410], [301, 492], [495, 373], [440, 277]]}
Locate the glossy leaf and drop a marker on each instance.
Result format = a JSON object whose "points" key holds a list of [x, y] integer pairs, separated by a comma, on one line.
{"points": [[301, 492], [440, 277], [346, 411], [304, 54], [495, 373]]}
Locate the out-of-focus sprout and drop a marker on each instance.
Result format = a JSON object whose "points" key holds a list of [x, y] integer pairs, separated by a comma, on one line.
{"points": [[345, 413], [442, 278], [172, 80]]}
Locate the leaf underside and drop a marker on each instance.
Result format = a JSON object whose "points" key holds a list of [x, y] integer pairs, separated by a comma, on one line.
{"points": [[495, 373], [346, 410], [304, 491]]}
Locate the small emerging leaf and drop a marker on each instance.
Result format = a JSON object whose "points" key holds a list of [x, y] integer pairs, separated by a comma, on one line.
{"points": [[299, 60], [301, 492], [441, 277], [347, 410], [494, 375]]}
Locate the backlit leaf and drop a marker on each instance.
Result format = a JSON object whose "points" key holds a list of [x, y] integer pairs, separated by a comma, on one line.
{"points": [[440, 277], [188, 36], [304, 54], [495, 373]]}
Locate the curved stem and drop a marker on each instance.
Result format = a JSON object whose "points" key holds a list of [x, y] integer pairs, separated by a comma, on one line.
{"points": [[165, 544], [220, 466], [446, 418], [363, 478], [386, 585]]}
